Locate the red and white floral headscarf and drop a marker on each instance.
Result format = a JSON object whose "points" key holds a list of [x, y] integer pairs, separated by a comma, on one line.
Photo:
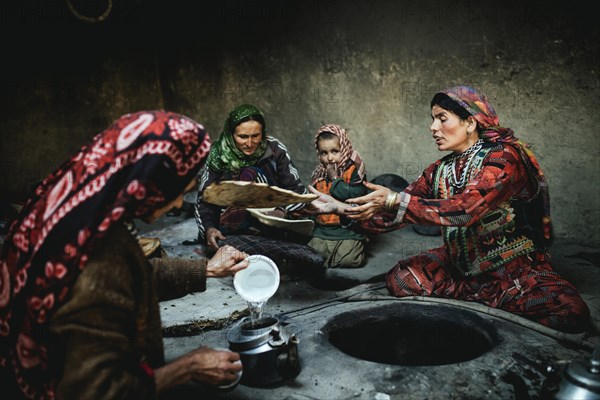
{"points": [[348, 155], [139, 164]]}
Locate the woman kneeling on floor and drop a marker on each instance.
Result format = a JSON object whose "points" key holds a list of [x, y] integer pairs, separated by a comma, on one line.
{"points": [[490, 197]]}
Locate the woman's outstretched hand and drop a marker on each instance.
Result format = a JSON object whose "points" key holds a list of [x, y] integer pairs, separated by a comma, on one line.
{"points": [[370, 204], [326, 204]]}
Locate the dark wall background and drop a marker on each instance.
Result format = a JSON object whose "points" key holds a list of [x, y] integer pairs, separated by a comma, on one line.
{"points": [[371, 66]]}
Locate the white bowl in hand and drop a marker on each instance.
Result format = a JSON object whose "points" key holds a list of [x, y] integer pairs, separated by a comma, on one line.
{"points": [[258, 282]]}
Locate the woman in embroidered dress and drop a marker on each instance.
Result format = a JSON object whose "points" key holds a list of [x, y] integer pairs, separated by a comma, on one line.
{"points": [[490, 197], [340, 173], [244, 152], [79, 311]]}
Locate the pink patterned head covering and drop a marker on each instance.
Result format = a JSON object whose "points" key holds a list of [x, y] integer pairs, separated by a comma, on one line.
{"points": [[479, 107], [348, 157], [139, 164]]}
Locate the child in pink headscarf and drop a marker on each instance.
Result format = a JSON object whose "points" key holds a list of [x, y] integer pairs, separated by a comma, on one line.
{"points": [[340, 173]]}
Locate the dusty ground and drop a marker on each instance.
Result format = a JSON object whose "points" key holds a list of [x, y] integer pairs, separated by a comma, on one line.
{"points": [[516, 366]]}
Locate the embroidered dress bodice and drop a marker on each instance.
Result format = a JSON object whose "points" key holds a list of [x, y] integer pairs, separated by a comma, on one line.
{"points": [[497, 237]]}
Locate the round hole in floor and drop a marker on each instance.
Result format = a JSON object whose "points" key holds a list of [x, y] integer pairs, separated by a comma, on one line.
{"points": [[412, 334]]}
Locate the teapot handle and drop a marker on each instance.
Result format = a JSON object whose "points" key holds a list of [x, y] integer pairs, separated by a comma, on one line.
{"points": [[289, 363]]}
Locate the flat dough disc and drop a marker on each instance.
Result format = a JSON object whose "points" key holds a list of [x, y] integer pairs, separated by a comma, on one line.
{"points": [[252, 194], [301, 226]]}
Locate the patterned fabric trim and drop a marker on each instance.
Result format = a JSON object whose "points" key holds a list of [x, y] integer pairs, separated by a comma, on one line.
{"points": [[500, 256], [488, 243]]}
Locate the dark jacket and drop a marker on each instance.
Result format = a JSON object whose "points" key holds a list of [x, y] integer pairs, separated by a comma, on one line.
{"points": [[107, 336], [276, 165]]}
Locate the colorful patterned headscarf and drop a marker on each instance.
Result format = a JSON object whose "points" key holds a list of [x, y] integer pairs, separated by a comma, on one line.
{"points": [[225, 156], [479, 107], [139, 164], [348, 155]]}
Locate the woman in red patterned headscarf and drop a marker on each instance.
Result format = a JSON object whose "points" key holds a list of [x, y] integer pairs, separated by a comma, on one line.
{"points": [[78, 301], [490, 197]]}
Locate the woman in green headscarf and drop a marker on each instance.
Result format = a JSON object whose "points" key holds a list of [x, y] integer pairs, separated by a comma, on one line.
{"points": [[235, 150], [244, 152]]}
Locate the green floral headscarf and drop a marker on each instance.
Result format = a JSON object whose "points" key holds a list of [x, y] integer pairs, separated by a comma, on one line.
{"points": [[224, 154]]}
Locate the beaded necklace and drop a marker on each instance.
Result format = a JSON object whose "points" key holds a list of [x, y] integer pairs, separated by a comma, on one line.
{"points": [[451, 166]]}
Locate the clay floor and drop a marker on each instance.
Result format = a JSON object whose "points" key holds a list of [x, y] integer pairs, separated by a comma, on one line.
{"points": [[346, 326]]}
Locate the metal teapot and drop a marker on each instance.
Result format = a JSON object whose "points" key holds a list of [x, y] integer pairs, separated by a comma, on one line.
{"points": [[579, 380], [268, 351]]}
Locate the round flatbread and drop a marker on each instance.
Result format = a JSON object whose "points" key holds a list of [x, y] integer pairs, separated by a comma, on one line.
{"points": [[252, 194], [301, 226]]}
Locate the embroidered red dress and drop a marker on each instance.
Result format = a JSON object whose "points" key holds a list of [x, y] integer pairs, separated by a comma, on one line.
{"points": [[493, 251]]}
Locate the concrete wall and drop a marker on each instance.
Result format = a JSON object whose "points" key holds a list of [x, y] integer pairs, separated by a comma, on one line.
{"points": [[371, 66]]}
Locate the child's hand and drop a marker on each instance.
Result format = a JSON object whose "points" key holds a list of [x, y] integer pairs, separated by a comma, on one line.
{"points": [[332, 171]]}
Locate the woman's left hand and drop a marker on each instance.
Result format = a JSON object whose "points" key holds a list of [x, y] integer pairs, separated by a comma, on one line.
{"points": [[369, 204], [226, 262], [326, 204]]}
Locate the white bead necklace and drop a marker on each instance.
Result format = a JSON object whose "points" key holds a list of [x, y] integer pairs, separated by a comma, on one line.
{"points": [[451, 166]]}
